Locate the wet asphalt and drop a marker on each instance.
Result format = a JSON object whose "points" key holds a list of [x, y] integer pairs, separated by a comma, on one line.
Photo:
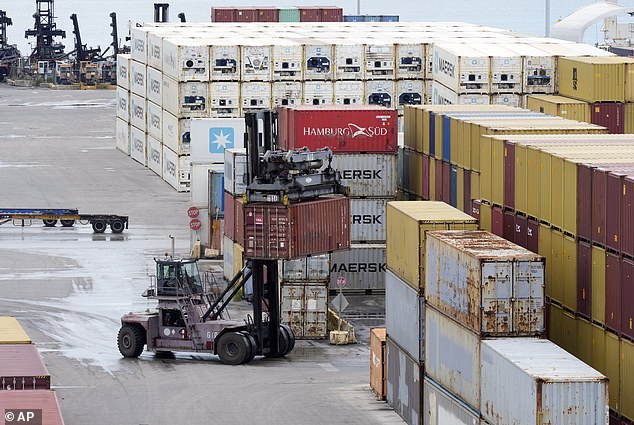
{"points": [[68, 287]]}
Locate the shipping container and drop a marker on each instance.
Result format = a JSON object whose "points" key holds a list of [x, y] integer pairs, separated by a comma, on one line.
{"points": [[610, 115], [275, 231], [227, 257], [367, 175], [21, 368], [289, 14], [267, 14], [286, 93], [592, 79], [407, 224], [176, 170], [556, 387], [318, 58], [185, 99], [410, 61], [331, 14], [613, 291], [245, 14], [367, 219], [11, 332], [368, 129], [138, 74], [186, 59], [155, 45], [409, 92], [287, 60], [442, 95], [255, 95], [597, 291], [560, 106], [122, 136], [538, 68], [404, 379], [225, 60], [138, 112], [627, 292], [224, 99], [511, 100], [154, 152], [362, 267], [176, 133], [211, 136], [442, 407], [154, 125], [305, 309], [123, 70], [123, 104], [405, 316], [309, 14], [461, 68], [506, 68], [42, 402], [223, 14], [349, 60], [379, 60], [627, 216], [378, 362], [349, 92], [235, 170], [201, 184], [584, 279], [154, 81], [138, 145], [255, 60], [318, 93], [627, 378], [315, 268]]}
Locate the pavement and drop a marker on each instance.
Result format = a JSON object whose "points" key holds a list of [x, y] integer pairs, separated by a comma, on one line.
{"points": [[68, 287]]}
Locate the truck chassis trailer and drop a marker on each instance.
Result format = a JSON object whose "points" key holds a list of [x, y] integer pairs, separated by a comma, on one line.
{"points": [[23, 217]]}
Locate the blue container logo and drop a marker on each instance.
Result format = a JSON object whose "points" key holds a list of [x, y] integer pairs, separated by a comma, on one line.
{"points": [[221, 138]]}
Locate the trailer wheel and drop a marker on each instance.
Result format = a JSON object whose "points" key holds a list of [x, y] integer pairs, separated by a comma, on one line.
{"points": [[233, 348], [49, 223], [252, 346], [67, 223], [291, 338], [116, 226], [131, 340], [99, 226]]}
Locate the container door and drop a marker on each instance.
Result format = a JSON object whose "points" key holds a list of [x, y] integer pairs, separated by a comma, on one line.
{"points": [[496, 298], [316, 319], [291, 311], [528, 292]]}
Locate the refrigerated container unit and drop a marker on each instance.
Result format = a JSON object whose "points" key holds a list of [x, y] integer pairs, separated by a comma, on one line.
{"points": [[349, 61], [154, 80], [186, 59], [318, 60], [235, 170], [539, 70], [349, 92], [123, 104], [176, 170], [410, 61], [22, 368], [404, 383], [202, 185], [154, 152], [176, 133], [224, 61], [317, 93], [138, 111], [378, 362], [506, 68], [255, 61], [287, 60], [122, 136], [381, 93], [44, 402], [461, 68], [441, 95], [286, 93], [154, 126], [304, 307], [123, 70], [315, 268], [211, 136], [379, 61], [367, 175], [185, 99], [512, 100], [405, 316], [225, 99], [409, 92], [138, 145], [138, 43], [255, 95], [362, 266]]}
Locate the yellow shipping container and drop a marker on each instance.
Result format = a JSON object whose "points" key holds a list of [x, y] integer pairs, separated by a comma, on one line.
{"points": [[475, 185], [613, 370], [556, 259], [592, 79], [629, 80], [570, 273], [545, 250], [598, 348], [486, 217], [627, 379], [432, 179], [407, 223], [415, 178], [585, 342], [11, 332], [629, 118], [559, 106], [238, 257], [556, 331], [598, 284], [460, 190], [570, 331]]}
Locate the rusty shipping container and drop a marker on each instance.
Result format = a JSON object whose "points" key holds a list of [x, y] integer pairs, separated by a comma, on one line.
{"points": [[442, 407], [312, 269], [274, 231], [43, 402], [304, 307], [404, 384], [344, 129], [21, 368], [11, 332], [362, 266], [404, 315], [234, 218], [610, 115], [378, 363], [486, 283]]}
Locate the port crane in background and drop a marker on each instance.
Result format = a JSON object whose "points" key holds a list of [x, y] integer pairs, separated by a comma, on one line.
{"points": [[24, 217], [9, 54]]}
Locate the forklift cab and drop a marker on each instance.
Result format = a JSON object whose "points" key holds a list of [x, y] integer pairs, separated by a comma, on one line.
{"points": [[177, 277]]}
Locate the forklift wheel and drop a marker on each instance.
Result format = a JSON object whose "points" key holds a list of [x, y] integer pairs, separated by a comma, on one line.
{"points": [[49, 223], [131, 340], [252, 346], [291, 338], [233, 348], [284, 343]]}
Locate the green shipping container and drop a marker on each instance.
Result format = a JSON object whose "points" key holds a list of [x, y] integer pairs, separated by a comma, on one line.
{"points": [[289, 14]]}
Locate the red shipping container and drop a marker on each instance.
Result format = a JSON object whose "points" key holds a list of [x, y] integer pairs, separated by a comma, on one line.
{"points": [[22, 368], [627, 297], [625, 421], [274, 231], [532, 236], [521, 224], [353, 129], [613, 292], [610, 115], [599, 182], [425, 177], [331, 14], [584, 279], [267, 14], [475, 209], [509, 175], [467, 191], [44, 400], [509, 226], [239, 214], [309, 14], [446, 182], [627, 216], [246, 14], [584, 201], [230, 217], [613, 211], [497, 221], [223, 14], [439, 185]]}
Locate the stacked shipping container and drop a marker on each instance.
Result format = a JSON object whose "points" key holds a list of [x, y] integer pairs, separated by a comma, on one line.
{"points": [[274, 14]]}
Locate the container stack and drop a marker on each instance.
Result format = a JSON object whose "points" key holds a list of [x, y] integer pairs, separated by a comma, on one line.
{"points": [[370, 18], [25, 383], [275, 14]]}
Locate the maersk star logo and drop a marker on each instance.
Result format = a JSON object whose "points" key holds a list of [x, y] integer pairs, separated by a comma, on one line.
{"points": [[220, 139]]}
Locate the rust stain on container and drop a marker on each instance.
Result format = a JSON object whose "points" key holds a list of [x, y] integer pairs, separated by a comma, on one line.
{"points": [[378, 365]]}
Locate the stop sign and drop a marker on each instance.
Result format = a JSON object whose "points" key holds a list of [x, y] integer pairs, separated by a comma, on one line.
{"points": [[195, 224], [193, 212], [341, 281]]}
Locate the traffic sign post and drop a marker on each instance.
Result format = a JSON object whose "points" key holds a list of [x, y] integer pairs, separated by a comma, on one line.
{"points": [[340, 303], [195, 224]]}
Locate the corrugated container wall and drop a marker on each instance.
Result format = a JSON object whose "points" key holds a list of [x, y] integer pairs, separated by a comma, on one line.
{"points": [[21, 368], [362, 266], [404, 384], [592, 79], [560, 106], [367, 175], [378, 362], [404, 315], [442, 407], [11, 332]]}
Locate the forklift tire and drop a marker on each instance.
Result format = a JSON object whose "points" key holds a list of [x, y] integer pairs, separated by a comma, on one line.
{"points": [[131, 340], [233, 348], [284, 343], [49, 223], [99, 226], [67, 223], [252, 345], [291, 338], [116, 226]]}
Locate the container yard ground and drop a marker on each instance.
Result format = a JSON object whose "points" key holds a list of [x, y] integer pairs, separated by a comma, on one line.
{"points": [[68, 287]]}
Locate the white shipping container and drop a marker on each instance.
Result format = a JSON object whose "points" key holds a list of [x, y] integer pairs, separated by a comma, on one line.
{"points": [[349, 92], [255, 95], [227, 258], [138, 43], [287, 60], [225, 99], [211, 136], [452, 356], [349, 63], [186, 99], [549, 385], [305, 309], [404, 383], [154, 150], [318, 93], [442, 95], [123, 104], [379, 61], [235, 171], [154, 85], [410, 92], [442, 407], [225, 61], [362, 266], [538, 68], [314, 268], [506, 68], [286, 93], [123, 70], [461, 67], [138, 75], [410, 61], [255, 60], [318, 58], [155, 44], [367, 219], [367, 175], [484, 282], [514, 100], [382, 93], [428, 91], [122, 136], [138, 111], [405, 316], [138, 144], [199, 187], [186, 59], [154, 120], [176, 133], [176, 170]]}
